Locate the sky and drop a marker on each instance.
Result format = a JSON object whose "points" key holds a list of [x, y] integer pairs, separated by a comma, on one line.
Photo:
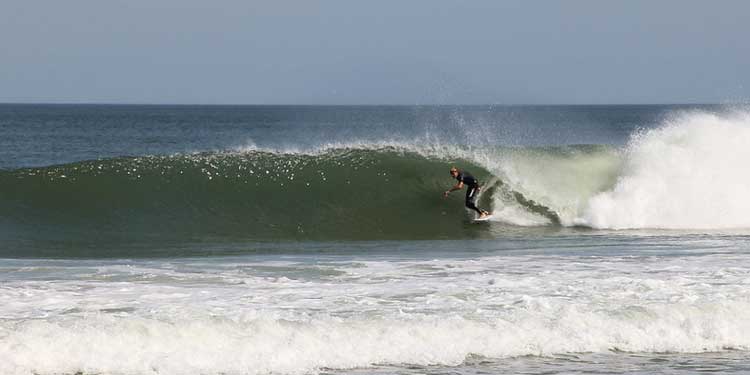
{"points": [[375, 52]]}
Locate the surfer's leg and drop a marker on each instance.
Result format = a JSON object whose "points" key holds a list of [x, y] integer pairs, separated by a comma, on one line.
{"points": [[471, 197]]}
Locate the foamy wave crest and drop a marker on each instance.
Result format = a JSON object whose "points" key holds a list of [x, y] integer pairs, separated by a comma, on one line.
{"points": [[691, 173], [257, 345], [426, 146], [247, 317]]}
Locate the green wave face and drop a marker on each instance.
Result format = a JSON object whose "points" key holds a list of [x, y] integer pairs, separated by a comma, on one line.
{"points": [[100, 207], [336, 195]]}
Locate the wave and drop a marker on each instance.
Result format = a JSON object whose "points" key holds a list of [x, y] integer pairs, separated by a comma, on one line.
{"points": [[688, 174], [385, 192], [260, 343], [336, 194]]}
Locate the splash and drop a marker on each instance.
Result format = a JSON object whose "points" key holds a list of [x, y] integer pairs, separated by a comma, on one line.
{"points": [[691, 173]]}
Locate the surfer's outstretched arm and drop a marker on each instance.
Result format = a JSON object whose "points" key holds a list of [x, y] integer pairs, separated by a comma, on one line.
{"points": [[458, 186]]}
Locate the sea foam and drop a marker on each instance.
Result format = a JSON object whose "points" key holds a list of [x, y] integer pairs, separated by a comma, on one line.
{"points": [[103, 344], [191, 317], [691, 173]]}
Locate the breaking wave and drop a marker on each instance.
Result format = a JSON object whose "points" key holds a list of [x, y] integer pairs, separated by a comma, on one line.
{"points": [[688, 174]]}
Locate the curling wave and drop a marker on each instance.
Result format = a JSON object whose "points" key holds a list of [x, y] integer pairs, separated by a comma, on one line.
{"points": [[333, 194], [337, 194], [688, 174]]}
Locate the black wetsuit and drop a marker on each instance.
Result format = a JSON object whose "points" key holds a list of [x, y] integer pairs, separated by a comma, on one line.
{"points": [[472, 188]]}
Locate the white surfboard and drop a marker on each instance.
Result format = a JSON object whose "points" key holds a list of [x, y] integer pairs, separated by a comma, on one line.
{"points": [[486, 218]]}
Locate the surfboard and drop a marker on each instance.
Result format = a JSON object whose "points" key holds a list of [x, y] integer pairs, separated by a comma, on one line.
{"points": [[486, 218]]}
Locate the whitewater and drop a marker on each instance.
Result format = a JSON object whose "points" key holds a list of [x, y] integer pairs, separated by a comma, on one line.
{"points": [[315, 240], [242, 316], [688, 173], [303, 314]]}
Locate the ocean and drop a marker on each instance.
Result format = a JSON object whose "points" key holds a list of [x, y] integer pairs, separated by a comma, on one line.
{"points": [[150, 239]]}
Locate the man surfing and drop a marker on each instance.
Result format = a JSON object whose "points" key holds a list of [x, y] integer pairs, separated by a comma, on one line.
{"points": [[472, 189]]}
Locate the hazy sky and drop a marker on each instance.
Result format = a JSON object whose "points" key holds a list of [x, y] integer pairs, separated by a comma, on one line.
{"points": [[374, 52]]}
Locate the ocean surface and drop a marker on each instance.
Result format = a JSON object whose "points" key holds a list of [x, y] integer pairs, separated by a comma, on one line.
{"points": [[315, 240]]}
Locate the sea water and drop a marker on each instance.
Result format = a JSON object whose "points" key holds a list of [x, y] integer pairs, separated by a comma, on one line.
{"points": [[297, 240]]}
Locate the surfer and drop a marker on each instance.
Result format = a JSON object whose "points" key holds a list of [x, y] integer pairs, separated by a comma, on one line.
{"points": [[472, 188]]}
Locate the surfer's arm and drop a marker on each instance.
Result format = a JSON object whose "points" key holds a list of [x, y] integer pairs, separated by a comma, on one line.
{"points": [[458, 186]]}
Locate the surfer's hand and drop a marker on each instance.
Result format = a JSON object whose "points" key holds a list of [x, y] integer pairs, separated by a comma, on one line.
{"points": [[445, 194]]}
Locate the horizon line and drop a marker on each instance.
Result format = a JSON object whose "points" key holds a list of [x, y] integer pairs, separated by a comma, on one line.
{"points": [[365, 104]]}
